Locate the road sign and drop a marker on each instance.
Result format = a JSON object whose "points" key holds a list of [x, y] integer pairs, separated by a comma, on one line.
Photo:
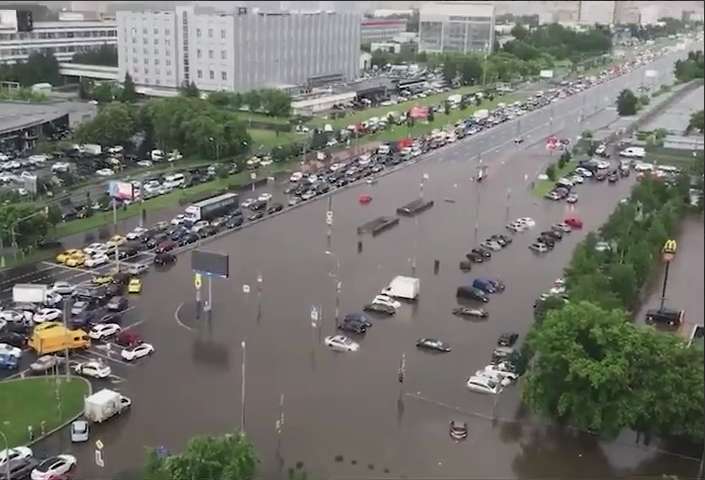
{"points": [[314, 316], [99, 444], [197, 281], [99, 458], [669, 250], [253, 176], [329, 217], [245, 289]]}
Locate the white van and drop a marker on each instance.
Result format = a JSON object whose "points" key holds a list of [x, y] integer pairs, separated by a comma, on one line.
{"points": [[175, 180], [633, 152]]}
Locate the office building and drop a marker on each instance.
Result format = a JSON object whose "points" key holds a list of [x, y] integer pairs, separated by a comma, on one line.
{"points": [[597, 12], [237, 51], [62, 38], [649, 15], [381, 30], [456, 27]]}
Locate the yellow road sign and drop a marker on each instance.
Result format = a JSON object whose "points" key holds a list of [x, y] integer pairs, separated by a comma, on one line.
{"points": [[197, 281], [669, 250]]}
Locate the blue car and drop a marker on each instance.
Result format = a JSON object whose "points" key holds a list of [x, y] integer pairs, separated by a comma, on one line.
{"points": [[8, 362], [484, 285]]}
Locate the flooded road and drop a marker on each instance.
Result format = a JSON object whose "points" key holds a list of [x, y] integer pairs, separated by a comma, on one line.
{"points": [[346, 415]]}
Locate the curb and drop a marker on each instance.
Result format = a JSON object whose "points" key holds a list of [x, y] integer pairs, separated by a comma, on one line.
{"points": [[63, 425]]}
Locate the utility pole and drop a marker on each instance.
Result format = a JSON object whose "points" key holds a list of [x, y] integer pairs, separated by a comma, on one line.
{"points": [[279, 426], [338, 286], [243, 372], [478, 180], [424, 177], [259, 297]]}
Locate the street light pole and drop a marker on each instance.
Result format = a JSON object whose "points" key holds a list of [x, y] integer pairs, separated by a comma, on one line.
{"points": [[259, 297], [424, 177], [243, 370], [338, 285], [477, 202], [14, 224]]}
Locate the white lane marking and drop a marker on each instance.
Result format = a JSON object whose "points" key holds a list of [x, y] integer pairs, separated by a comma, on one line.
{"points": [[178, 320]]}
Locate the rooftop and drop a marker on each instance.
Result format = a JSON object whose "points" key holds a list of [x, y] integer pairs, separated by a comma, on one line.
{"points": [[18, 115]]}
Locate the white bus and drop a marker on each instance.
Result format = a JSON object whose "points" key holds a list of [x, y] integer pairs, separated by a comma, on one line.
{"points": [[175, 180]]}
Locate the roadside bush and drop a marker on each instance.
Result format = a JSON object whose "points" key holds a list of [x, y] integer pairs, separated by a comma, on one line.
{"points": [[564, 159], [551, 172], [644, 100]]}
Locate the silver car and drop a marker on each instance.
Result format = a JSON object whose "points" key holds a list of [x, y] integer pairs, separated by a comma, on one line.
{"points": [[491, 245], [80, 431]]}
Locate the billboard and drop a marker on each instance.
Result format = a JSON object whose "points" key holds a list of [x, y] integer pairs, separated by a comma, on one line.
{"points": [[546, 74], [121, 190], [650, 73], [210, 263], [419, 112], [29, 293]]}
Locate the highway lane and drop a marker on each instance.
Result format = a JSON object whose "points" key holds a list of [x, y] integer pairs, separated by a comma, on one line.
{"points": [[347, 405]]}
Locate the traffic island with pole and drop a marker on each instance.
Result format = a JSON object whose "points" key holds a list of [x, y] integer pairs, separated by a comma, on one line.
{"points": [[668, 253], [208, 264]]}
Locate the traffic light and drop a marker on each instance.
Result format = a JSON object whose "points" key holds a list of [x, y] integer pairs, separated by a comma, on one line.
{"points": [[25, 21]]}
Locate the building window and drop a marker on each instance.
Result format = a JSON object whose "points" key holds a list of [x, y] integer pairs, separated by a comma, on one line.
{"points": [[156, 51], [146, 61], [156, 31], [168, 73], [223, 75], [134, 50], [198, 32], [135, 60], [144, 50], [167, 32], [168, 52], [211, 74], [223, 55], [156, 61], [156, 41], [144, 31], [222, 34], [157, 71], [134, 39], [134, 31], [168, 63], [135, 69], [210, 33], [210, 54], [167, 42], [198, 53], [145, 41], [199, 74]]}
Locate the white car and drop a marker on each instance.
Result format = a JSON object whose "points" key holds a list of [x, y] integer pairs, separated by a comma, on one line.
{"points": [[17, 453], [633, 152], [52, 298], [341, 343], [8, 349], [93, 369], [11, 316], [491, 245], [198, 226], [517, 227], [583, 172], [94, 248], [54, 467], [385, 300], [506, 377], [265, 197], [137, 351], [483, 384], [105, 172], [47, 315], [643, 167], [528, 221], [247, 203], [136, 233], [178, 220], [96, 260], [62, 288], [296, 177], [104, 330]]}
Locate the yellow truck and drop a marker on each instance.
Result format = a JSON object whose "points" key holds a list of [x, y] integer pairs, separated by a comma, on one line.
{"points": [[58, 338]]}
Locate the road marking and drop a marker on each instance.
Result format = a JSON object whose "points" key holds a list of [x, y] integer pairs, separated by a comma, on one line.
{"points": [[178, 319], [13, 280]]}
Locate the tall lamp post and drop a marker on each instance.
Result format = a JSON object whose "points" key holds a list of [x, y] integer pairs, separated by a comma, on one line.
{"points": [[424, 177], [338, 284], [668, 252], [243, 372], [217, 149]]}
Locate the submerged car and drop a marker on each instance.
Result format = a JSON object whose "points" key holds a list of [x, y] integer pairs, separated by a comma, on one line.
{"points": [[433, 344], [471, 312]]}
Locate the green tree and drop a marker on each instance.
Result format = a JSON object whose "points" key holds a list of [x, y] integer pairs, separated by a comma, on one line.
{"points": [[519, 32], [28, 225], [623, 283], [583, 368], [85, 88], [551, 172], [104, 92], [690, 68], [113, 125], [129, 93], [228, 456], [644, 100], [627, 103], [190, 90], [697, 122], [53, 215]]}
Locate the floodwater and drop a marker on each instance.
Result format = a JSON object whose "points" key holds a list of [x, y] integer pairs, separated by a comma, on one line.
{"points": [[346, 416]]}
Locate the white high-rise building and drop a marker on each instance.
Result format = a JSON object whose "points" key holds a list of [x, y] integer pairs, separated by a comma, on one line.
{"points": [[62, 38], [456, 27], [602, 12], [649, 15], [237, 51]]}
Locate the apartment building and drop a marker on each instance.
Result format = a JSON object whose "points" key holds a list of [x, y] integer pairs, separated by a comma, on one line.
{"points": [[456, 27]]}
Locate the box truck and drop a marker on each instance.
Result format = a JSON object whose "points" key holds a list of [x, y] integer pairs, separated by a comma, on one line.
{"points": [[104, 405], [406, 288]]}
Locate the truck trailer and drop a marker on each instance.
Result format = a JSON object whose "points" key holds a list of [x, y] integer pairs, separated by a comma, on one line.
{"points": [[211, 208]]}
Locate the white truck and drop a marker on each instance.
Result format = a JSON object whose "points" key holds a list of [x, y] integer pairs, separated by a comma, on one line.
{"points": [[481, 114], [406, 288], [104, 405]]}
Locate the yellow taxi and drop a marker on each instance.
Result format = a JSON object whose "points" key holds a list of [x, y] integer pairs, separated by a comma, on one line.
{"points": [[40, 327], [135, 285], [116, 241], [102, 279], [76, 260], [63, 256]]}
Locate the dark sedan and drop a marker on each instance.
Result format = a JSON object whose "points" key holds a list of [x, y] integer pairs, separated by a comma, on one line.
{"points": [[381, 308], [507, 339], [475, 257], [433, 344], [256, 215], [482, 252], [277, 207]]}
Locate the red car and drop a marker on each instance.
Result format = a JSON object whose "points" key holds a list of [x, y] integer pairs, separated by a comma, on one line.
{"points": [[128, 339], [165, 246], [574, 222], [365, 199]]}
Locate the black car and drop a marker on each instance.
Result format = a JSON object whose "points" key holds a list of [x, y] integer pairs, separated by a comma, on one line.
{"points": [[483, 252], [433, 344], [668, 316], [471, 312], [600, 176], [234, 222], [115, 289], [465, 265], [507, 339], [471, 293], [256, 215], [546, 240], [613, 177], [22, 468], [458, 430], [258, 205], [379, 308], [502, 239], [117, 304], [475, 257], [14, 339], [355, 323], [277, 207], [164, 259], [554, 234], [188, 239]]}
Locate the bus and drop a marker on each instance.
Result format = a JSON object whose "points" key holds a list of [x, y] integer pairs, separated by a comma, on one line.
{"points": [[211, 208]]}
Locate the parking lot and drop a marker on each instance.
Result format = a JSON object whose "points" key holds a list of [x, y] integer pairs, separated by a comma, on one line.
{"points": [[348, 406]]}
